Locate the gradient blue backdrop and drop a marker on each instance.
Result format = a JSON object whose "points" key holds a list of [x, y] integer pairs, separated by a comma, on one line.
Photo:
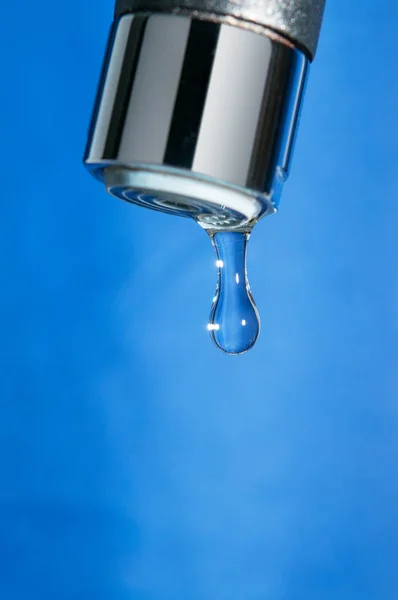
{"points": [[137, 461]]}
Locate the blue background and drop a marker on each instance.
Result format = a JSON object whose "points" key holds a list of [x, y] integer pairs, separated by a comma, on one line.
{"points": [[137, 461]]}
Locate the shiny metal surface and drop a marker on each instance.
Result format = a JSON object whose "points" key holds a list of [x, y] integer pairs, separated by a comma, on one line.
{"points": [[207, 101], [299, 20], [216, 207]]}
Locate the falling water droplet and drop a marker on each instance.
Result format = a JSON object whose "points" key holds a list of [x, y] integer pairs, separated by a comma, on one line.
{"points": [[234, 321]]}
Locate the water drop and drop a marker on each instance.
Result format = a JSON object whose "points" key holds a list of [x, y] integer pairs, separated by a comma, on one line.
{"points": [[234, 321]]}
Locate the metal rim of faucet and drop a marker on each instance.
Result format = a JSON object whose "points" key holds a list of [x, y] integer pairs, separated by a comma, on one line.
{"points": [[214, 206], [296, 20]]}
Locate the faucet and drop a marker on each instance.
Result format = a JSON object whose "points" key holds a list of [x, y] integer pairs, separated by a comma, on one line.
{"points": [[196, 115]]}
